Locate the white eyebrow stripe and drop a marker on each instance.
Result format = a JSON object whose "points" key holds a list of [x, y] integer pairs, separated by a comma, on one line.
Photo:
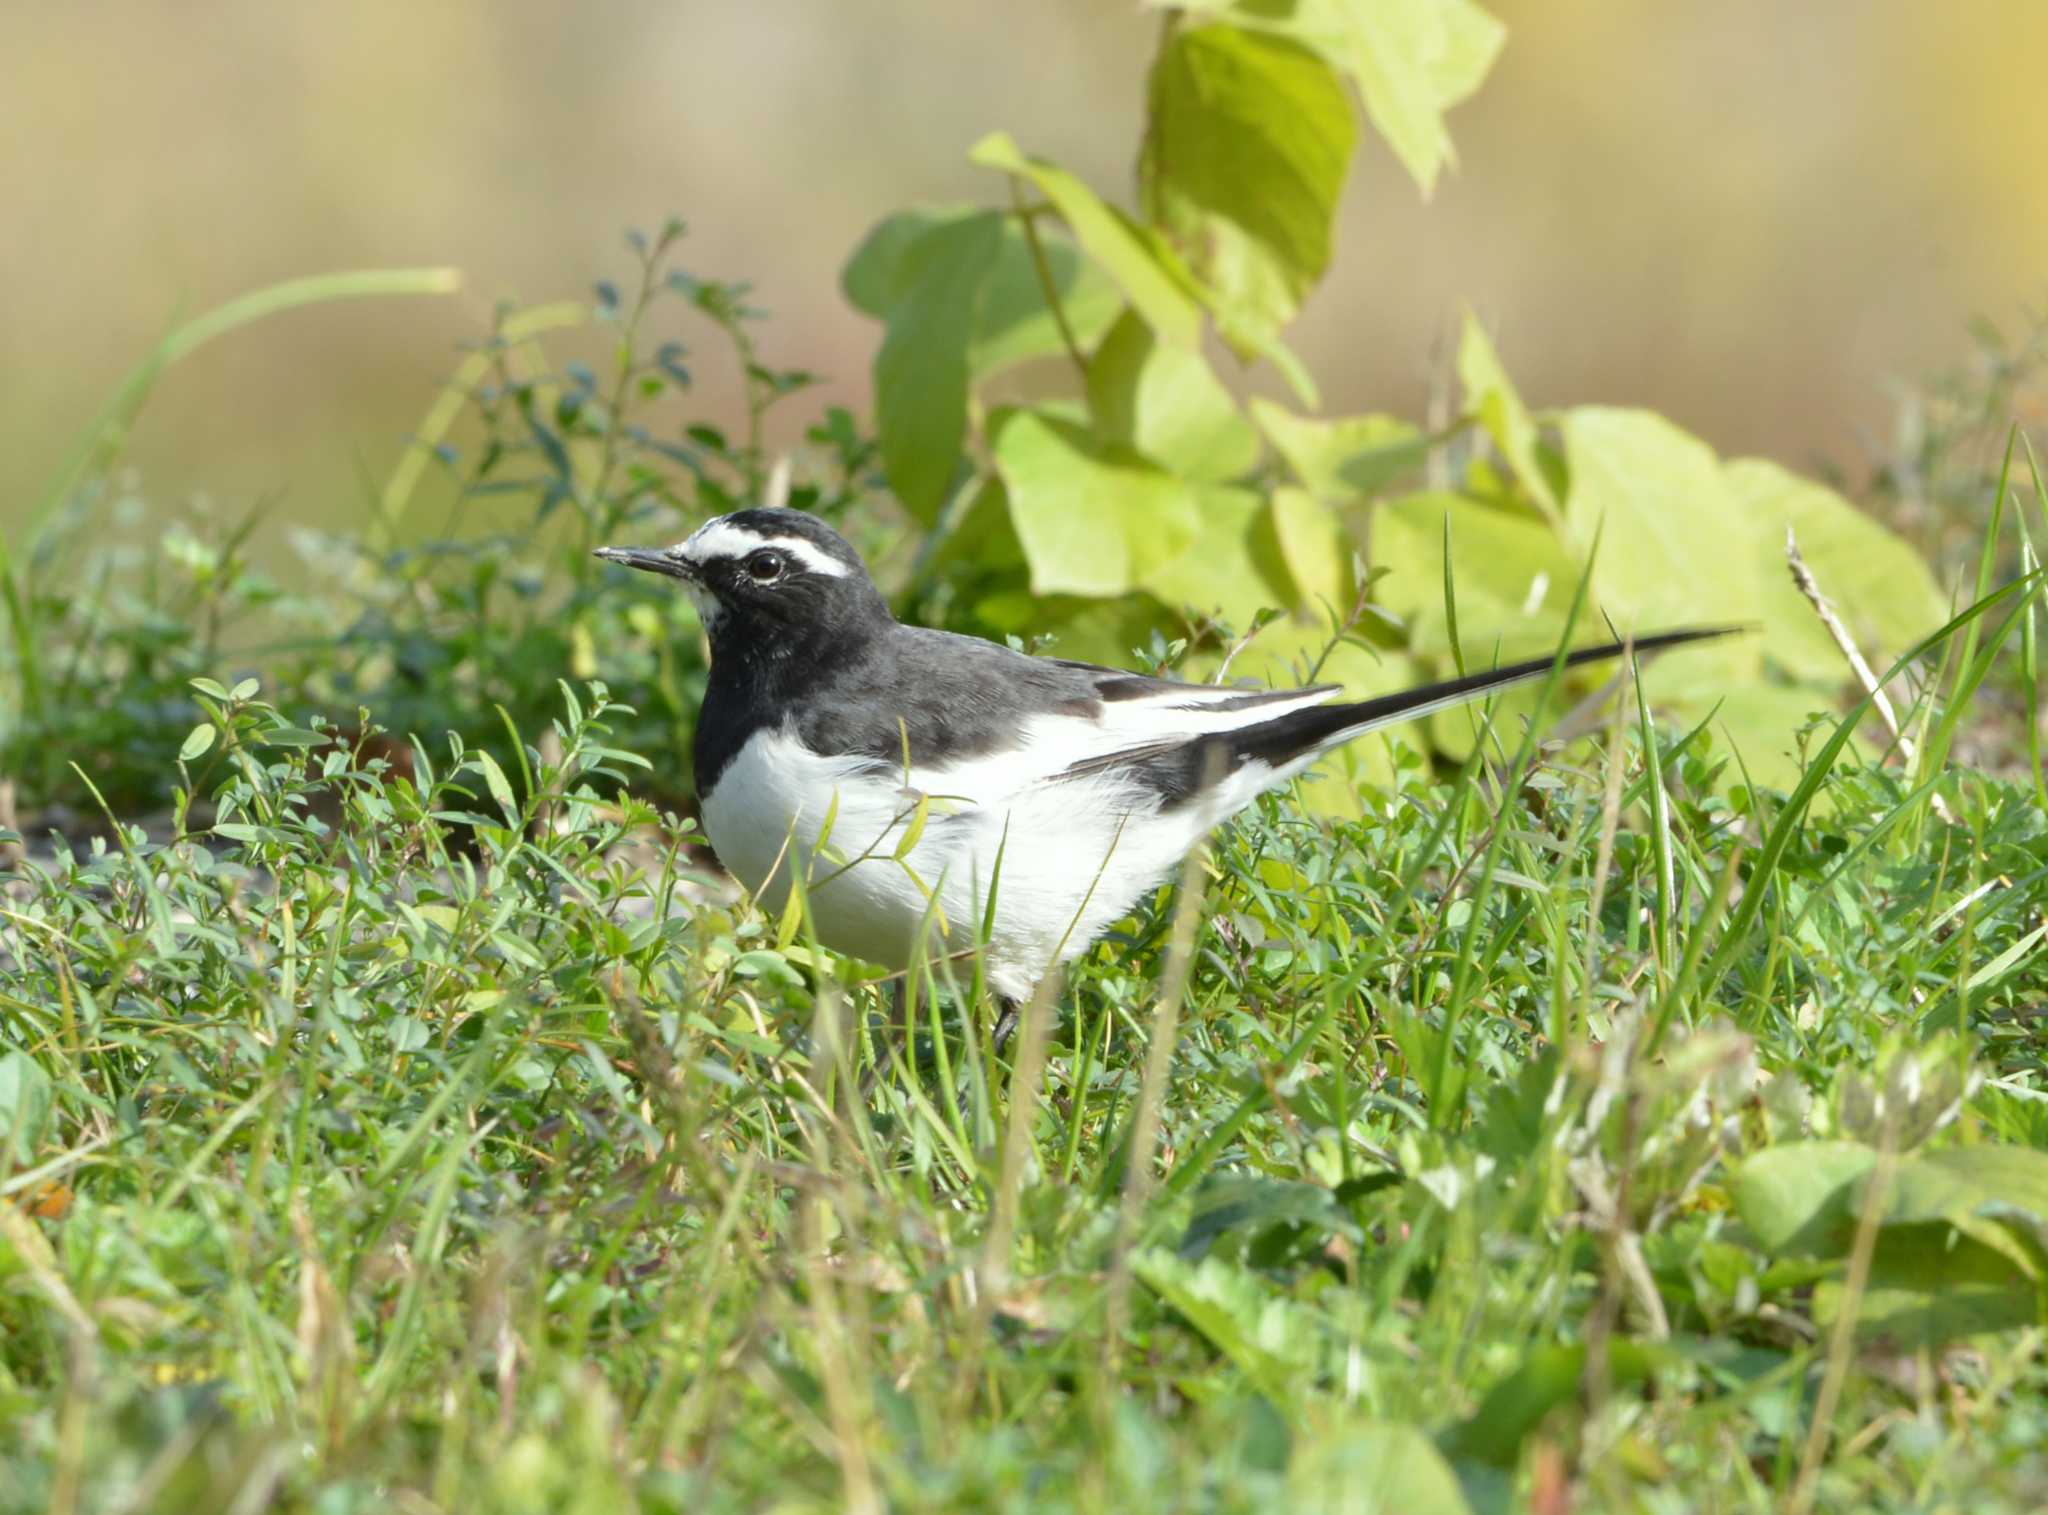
{"points": [[719, 538]]}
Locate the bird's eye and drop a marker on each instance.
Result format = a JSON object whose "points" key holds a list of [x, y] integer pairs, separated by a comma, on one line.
{"points": [[763, 566]]}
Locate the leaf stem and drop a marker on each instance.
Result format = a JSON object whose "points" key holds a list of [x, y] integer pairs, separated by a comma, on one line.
{"points": [[1045, 281]]}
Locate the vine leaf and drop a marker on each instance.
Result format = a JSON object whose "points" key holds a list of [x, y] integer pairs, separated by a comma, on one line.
{"points": [[1151, 277], [1093, 519], [1167, 403], [1248, 139], [1412, 60], [1491, 400], [1013, 323], [922, 370]]}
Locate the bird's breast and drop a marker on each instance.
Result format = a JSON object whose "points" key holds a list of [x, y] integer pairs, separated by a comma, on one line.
{"points": [[779, 807]]}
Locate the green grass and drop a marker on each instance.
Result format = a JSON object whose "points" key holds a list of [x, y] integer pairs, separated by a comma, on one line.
{"points": [[445, 1137], [419, 1122]]}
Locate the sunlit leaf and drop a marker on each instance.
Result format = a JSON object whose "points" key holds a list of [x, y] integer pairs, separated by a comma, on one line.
{"points": [[1349, 458], [1165, 402], [1491, 397], [1012, 321], [1231, 566], [1375, 1467], [1412, 60], [1091, 521], [1267, 1337], [1149, 274], [1675, 547], [1796, 1198], [1247, 143], [1881, 588], [1514, 579], [495, 781], [1317, 551]]}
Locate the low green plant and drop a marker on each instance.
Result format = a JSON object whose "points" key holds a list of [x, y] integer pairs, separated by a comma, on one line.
{"points": [[405, 1119], [435, 1133], [529, 456], [1145, 477]]}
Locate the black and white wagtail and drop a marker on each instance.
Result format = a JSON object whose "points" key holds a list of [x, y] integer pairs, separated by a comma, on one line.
{"points": [[832, 734]]}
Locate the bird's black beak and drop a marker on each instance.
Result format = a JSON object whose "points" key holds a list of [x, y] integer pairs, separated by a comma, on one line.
{"points": [[651, 559]]}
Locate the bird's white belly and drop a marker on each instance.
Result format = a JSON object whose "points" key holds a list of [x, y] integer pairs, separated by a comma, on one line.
{"points": [[1063, 861], [768, 818]]}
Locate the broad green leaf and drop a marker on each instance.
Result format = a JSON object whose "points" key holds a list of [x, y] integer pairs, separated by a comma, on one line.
{"points": [[1548, 1376], [1950, 1299], [1980, 1180], [198, 741], [1012, 322], [1959, 1252], [1089, 628], [1797, 1198], [1761, 721], [1352, 458], [24, 1108], [1247, 143], [1232, 567], [1149, 274], [872, 279], [1881, 588], [1373, 1467], [1412, 60], [1248, 1203], [921, 372], [1092, 520], [1675, 547], [1514, 579], [1268, 1337], [1166, 402], [1491, 398], [1317, 551]]}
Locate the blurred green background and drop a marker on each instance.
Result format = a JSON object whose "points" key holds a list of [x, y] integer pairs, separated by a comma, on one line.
{"points": [[1759, 218]]}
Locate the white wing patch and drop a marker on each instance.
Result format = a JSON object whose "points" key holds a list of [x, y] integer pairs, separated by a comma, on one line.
{"points": [[1049, 746]]}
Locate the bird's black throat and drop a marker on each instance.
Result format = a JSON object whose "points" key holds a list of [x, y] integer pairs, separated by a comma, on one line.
{"points": [[763, 667]]}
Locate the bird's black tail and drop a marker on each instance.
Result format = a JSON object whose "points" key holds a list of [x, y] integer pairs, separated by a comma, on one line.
{"points": [[1182, 770], [1287, 740]]}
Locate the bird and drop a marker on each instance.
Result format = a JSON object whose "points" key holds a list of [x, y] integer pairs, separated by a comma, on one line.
{"points": [[937, 792]]}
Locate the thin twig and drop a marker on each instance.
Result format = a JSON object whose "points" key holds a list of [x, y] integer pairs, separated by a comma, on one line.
{"points": [[1025, 1099], [1802, 577], [1842, 1342], [1187, 913]]}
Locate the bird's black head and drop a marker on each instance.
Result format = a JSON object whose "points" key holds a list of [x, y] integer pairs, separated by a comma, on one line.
{"points": [[768, 584]]}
